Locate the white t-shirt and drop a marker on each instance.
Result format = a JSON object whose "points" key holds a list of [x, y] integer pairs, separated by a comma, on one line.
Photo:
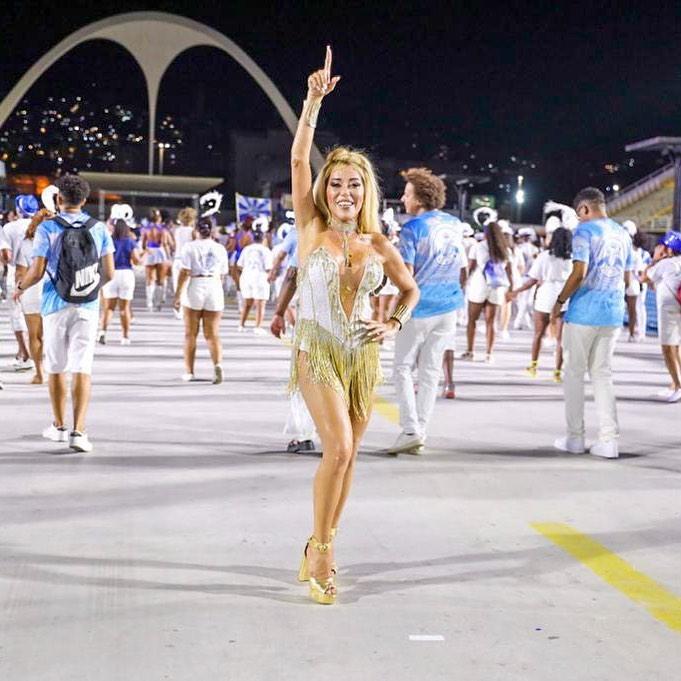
{"points": [[204, 257], [255, 258], [15, 232], [667, 277], [24, 255], [529, 252], [183, 235], [547, 267]]}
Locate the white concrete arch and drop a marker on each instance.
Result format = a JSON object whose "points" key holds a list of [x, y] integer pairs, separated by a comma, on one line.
{"points": [[154, 39]]}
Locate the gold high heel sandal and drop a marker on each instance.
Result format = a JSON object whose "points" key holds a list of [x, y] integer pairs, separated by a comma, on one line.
{"points": [[322, 591], [304, 571]]}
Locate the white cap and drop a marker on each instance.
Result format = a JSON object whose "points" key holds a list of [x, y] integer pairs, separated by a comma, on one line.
{"points": [[526, 231], [479, 236], [630, 226]]}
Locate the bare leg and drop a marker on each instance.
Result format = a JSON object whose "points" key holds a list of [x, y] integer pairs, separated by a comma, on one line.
{"points": [[23, 352], [246, 310], [358, 430], [107, 312], [57, 385], [671, 359], [559, 344], [124, 308], [191, 331], [211, 332], [631, 309], [259, 312], [448, 367], [490, 314], [474, 311], [330, 415], [80, 395], [541, 323], [35, 342]]}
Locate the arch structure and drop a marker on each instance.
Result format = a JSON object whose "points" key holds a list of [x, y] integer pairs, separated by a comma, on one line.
{"points": [[155, 40]]}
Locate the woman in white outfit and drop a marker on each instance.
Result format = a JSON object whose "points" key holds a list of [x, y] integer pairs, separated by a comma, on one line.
{"points": [[642, 260], [255, 264], [119, 292], [31, 300], [204, 266], [182, 235], [490, 277], [550, 270]]}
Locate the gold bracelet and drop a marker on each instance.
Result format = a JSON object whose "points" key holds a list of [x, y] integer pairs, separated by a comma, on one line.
{"points": [[401, 315], [311, 111]]}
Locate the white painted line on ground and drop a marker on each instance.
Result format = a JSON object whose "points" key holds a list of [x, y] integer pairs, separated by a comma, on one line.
{"points": [[423, 637]]}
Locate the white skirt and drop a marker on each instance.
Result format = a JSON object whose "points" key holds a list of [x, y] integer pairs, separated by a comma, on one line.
{"points": [[547, 295], [479, 291], [254, 285], [31, 301], [669, 324]]}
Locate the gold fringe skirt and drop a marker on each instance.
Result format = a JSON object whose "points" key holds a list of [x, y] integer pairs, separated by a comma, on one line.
{"points": [[352, 372]]}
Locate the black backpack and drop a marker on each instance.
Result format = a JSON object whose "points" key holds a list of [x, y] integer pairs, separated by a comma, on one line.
{"points": [[77, 279]]}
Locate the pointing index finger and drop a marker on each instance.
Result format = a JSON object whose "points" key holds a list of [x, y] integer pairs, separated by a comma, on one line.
{"points": [[327, 61]]}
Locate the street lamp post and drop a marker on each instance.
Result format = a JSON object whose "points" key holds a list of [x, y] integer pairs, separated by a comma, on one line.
{"points": [[519, 198], [161, 150]]}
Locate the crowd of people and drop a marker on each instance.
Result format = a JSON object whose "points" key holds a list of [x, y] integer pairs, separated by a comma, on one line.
{"points": [[346, 280]]}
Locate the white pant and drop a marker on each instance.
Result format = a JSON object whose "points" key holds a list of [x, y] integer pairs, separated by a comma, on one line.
{"points": [[421, 341], [641, 311], [590, 348]]}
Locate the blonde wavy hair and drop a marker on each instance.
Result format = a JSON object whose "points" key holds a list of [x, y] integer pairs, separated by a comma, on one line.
{"points": [[367, 222], [187, 216]]}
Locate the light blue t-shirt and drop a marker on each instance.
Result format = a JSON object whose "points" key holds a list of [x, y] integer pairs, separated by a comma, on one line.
{"points": [[43, 243], [433, 243], [605, 246]]}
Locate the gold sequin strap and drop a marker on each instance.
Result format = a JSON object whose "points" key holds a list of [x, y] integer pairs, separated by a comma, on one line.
{"points": [[311, 111]]}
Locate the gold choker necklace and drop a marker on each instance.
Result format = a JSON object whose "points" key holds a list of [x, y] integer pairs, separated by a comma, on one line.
{"points": [[344, 228]]}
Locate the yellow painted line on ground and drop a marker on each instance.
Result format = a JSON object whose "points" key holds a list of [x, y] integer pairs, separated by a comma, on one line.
{"points": [[661, 603], [388, 410]]}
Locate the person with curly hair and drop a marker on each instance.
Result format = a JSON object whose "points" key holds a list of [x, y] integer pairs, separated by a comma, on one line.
{"points": [[342, 256], [431, 244]]}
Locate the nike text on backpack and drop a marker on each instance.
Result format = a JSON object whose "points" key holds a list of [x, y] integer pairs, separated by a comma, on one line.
{"points": [[77, 278]]}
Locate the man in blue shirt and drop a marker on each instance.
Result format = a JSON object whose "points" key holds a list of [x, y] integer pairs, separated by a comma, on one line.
{"points": [[69, 329], [431, 245], [602, 263]]}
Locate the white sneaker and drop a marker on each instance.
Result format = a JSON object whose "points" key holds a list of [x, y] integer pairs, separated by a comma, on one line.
{"points": [[125, 341], [22, 364], [674, 396], [56, 434], [505, 335], [187, 377], [259, 331], [240, 329], [574, 445], [80, 442], [489, 358], [408, 443], [218, 374], [606, 449]]}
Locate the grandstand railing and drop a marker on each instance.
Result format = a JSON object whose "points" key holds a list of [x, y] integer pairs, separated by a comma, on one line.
{"points": [[642, 188]]}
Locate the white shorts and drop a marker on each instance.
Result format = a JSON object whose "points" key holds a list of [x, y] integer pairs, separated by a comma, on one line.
{"points": [[155, 256], [669, 324], [204, 293], [254, 285], [634, 288], [69, 337], [32, 299], [479, 291], [121, 286], [547, 295]]}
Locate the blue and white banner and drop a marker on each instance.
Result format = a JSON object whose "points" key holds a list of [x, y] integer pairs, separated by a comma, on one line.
{"points": [[252, 206]]}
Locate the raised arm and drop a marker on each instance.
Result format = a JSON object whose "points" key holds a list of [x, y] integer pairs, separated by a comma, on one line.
{"points": [[319, 84]]}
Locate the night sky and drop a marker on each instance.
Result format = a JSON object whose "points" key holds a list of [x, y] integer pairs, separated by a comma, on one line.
{"points": [[568, 86]]}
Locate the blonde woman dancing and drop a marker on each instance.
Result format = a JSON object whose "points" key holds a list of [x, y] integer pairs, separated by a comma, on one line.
{"points": [[342, 258]]}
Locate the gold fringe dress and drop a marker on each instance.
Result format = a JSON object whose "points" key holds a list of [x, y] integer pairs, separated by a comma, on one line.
{"points": [[339, 355]]}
